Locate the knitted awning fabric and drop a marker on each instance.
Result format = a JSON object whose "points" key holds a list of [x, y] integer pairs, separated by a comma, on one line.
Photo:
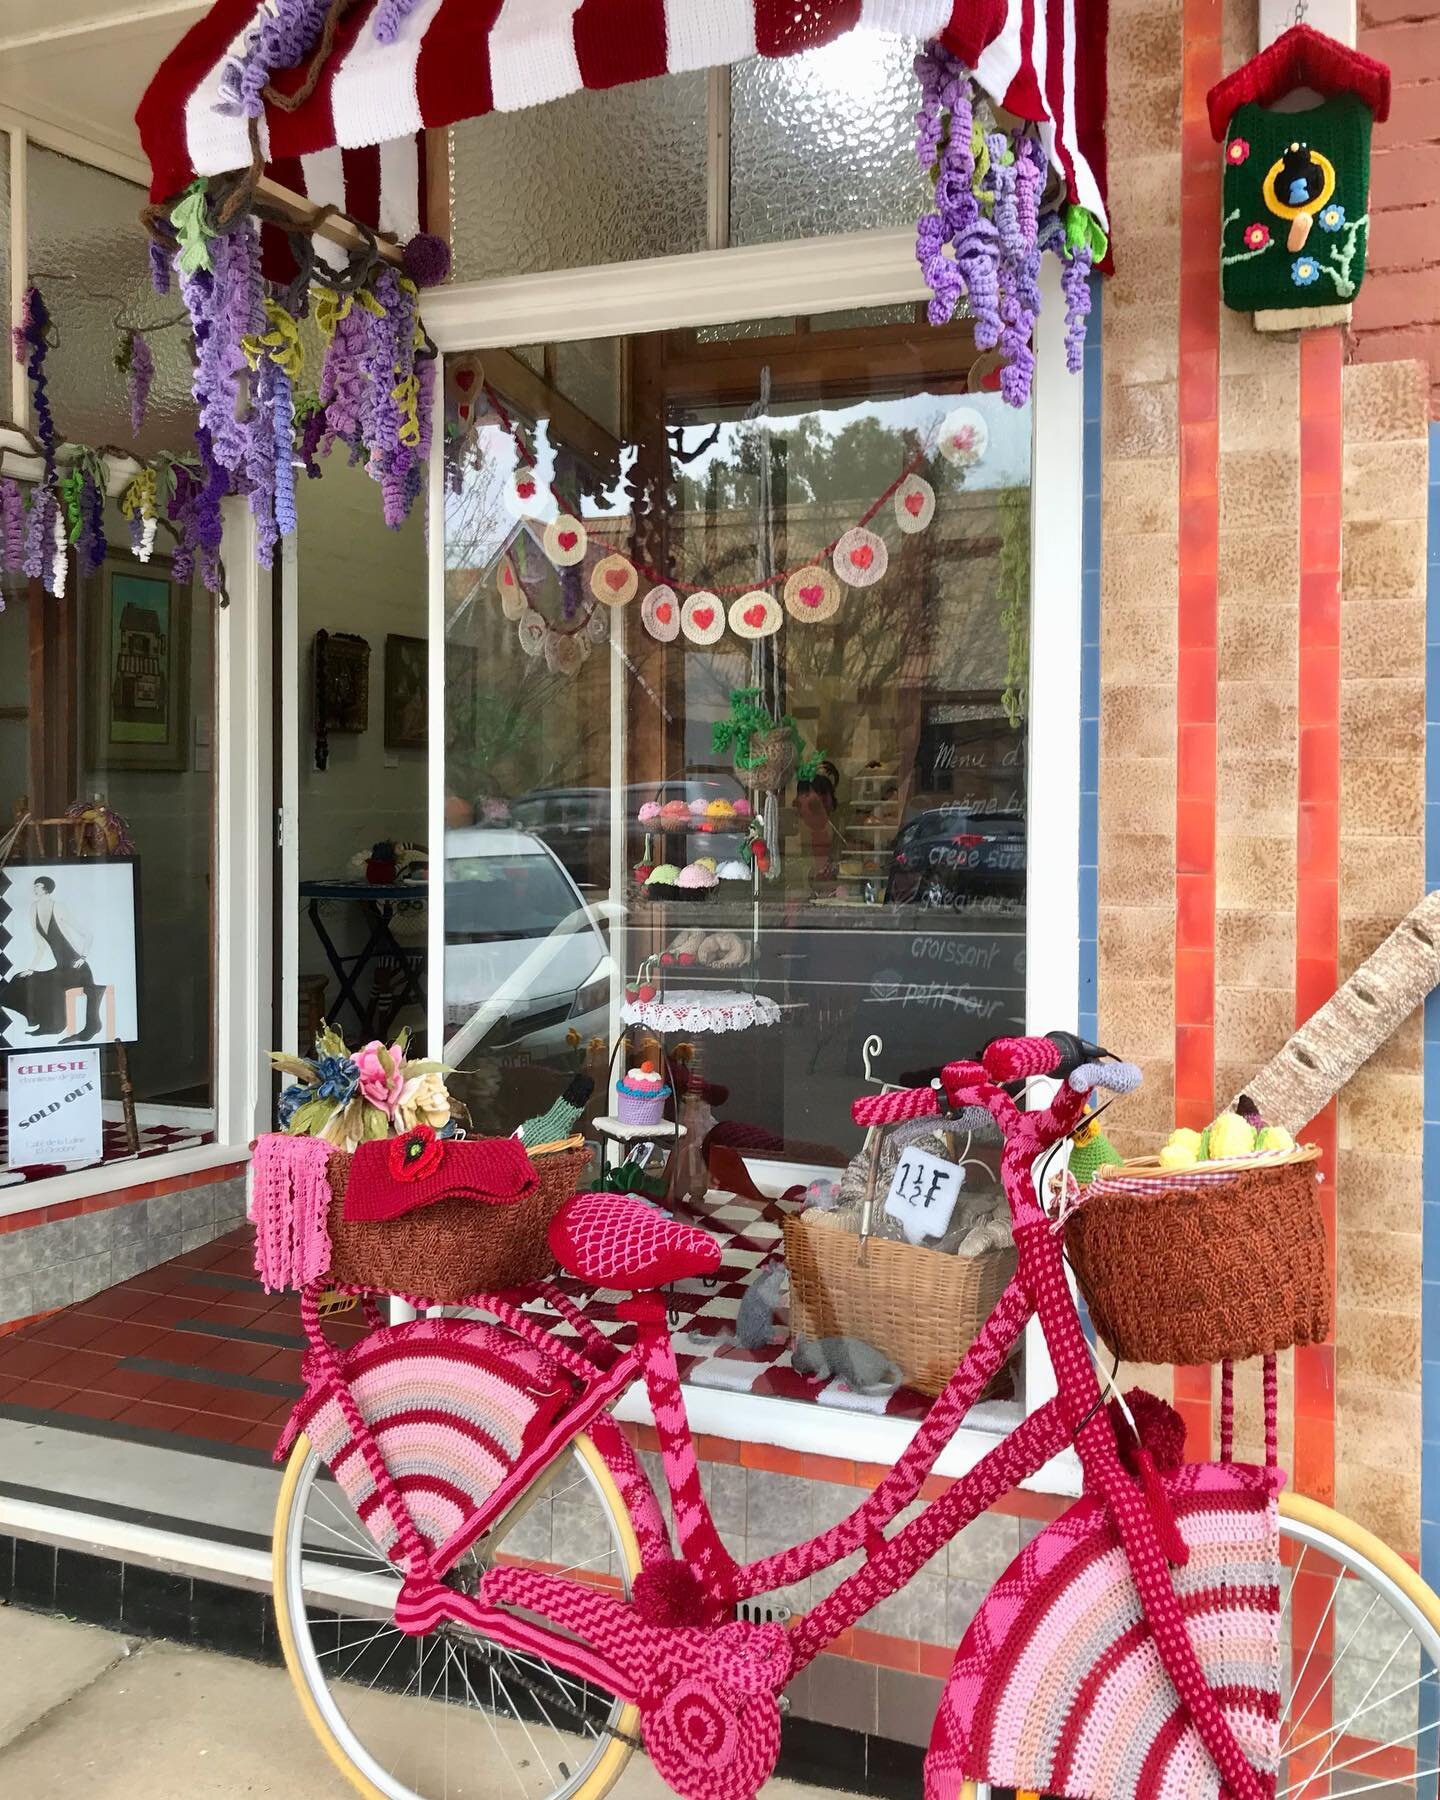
{"points": [[447, 60]]}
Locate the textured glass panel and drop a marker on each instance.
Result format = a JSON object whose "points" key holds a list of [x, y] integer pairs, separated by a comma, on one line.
{"points": [[745, 328], [593, 178], [88, 258], [589, 374], [824, 142]]}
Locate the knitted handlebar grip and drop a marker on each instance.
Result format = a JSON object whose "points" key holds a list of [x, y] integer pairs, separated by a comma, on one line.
{"points": [[895, 1108], [1013, 1059]]}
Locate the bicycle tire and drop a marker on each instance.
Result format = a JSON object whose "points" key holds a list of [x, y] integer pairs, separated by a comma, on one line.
{"points": [[303, 1654]]}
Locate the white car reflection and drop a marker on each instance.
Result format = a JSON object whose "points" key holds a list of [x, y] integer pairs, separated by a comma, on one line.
{"points": [[525, 961]]}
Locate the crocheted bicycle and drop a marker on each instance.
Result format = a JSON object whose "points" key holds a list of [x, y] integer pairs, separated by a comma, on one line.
{"points": [[1185, 1629]]}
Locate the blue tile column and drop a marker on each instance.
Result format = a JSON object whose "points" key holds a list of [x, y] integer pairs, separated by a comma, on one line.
{"points": [[1090, 674]]}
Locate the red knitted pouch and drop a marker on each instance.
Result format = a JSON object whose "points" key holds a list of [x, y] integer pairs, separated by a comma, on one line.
{"points": [[394, 1176]]}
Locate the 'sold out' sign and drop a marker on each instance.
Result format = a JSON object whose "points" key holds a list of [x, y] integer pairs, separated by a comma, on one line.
{"points": [[54, 1114]]}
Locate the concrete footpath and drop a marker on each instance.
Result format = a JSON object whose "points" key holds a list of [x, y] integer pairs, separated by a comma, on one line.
{"points": [[87, 1712]]}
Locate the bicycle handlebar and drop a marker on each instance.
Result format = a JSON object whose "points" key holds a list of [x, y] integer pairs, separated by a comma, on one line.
{"points": [[1004, 1063]]}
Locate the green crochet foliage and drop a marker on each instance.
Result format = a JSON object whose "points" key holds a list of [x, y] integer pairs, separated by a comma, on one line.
{"points": [[750, 718]]}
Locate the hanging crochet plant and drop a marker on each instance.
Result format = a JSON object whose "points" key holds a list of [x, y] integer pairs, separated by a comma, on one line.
{"points": [[982, 244]]}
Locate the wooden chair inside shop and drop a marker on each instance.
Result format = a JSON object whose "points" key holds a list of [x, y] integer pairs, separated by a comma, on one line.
{"points": [[75, 840]]}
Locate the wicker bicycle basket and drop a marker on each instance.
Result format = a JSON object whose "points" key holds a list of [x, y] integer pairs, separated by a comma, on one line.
{"points": [[776, 762], [1206, 1265], [922, 1308], [455, 1248]]}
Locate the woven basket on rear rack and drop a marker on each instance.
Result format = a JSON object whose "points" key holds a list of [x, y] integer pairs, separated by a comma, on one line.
{"points": [[455, 1248], [1222, 1260], [923, 1308]]}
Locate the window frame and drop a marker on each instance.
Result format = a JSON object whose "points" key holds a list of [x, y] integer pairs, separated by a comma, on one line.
{"points": [[810, 277], [241, 947]]}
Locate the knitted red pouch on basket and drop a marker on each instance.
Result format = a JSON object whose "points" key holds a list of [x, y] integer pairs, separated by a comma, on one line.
{"points": [[393, 1176]]}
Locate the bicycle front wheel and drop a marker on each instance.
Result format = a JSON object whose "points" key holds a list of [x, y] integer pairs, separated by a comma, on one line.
{"points": [[450, 1715], [1359, 1663]]}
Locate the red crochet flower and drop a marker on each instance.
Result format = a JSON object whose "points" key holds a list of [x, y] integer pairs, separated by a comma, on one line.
{"points": [[1236, 150], [1257, 236], [416, 1154]]}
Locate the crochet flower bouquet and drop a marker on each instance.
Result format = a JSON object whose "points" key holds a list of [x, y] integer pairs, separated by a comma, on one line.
{"points": [[349, 1097]]}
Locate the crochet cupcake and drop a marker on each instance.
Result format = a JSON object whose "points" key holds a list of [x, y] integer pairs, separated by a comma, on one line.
{"points": [[650, 812], [720, 810], [695, 881], [675, 813], [660, 882], [734, 870], [640, 1096]]}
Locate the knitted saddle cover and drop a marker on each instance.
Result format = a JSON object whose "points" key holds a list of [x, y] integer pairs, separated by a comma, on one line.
{"points": [[1058, 1685], [452, 1406]]}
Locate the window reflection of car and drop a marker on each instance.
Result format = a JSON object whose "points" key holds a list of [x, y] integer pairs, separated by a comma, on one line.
{"points": [[575, 824], [956, 857], [515, 949]]}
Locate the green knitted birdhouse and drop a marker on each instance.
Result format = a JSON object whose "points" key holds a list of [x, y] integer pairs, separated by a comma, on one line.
{"points": [[1295, 206]]}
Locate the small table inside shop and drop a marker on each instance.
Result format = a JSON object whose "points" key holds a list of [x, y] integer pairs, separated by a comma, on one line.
{"points": [[378, 907]]}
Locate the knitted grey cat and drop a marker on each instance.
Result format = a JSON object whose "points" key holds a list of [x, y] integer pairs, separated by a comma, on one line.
{"points": [[859, 1365]]}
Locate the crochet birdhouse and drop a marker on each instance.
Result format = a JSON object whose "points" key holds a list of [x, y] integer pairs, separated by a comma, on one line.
{"points": [[1297, 173]]}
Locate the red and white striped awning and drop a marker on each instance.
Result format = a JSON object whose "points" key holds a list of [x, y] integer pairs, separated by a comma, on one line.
{"points": [[454, 59]]}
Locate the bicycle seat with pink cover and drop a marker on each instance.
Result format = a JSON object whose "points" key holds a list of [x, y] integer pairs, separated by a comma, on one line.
{"points": [[619, 1241]]}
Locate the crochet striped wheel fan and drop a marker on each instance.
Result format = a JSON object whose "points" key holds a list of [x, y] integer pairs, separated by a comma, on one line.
{"points": [[447, 1404], [1058, 1685]]}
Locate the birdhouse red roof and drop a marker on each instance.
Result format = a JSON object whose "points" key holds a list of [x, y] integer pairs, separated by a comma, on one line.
{"points": [[1300, 58]]}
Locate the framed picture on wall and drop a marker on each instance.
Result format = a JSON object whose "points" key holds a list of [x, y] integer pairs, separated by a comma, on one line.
{"points": [[137, 629], [69, 964], [407, 699]]}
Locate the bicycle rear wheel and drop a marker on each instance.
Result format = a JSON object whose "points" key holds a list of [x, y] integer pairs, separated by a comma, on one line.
{"points": [[1359, 1663], [449, 1716]]}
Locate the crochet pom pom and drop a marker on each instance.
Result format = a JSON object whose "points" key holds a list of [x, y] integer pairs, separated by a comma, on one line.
{"points": [[668, 1593], [426, 260], [1160, 1428]]}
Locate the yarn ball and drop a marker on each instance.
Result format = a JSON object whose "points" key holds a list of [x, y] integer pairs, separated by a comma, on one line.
{"points": [[668, 1594], [1159, 1427], [426, 260]]}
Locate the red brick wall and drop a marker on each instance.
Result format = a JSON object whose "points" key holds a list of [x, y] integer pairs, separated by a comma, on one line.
{"points": [[1397, 312]]}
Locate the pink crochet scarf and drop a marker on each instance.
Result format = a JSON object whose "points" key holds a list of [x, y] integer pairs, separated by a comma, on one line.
{"points": [[289, 1202]]}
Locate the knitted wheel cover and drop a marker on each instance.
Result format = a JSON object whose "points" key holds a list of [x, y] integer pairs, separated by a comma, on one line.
{"points": [[716, 1734]]}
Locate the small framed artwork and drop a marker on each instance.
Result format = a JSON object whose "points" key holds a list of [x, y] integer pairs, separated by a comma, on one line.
{"points": [[137, 628], [407, 693], [342, 688], [69, 962]]}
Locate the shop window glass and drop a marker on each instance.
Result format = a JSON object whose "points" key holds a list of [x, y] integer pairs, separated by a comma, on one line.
{"points": [[107, 701], [593, 178], [87, 257], [896, 904], [825, 141]]}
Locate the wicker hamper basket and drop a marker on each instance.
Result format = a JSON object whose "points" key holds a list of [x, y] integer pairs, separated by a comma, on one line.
{"points": [[455, 1248], [1206, 1265], [922, 1308]]}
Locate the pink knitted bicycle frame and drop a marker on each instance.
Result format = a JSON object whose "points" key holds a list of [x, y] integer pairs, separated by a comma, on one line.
{"points": [[633, 1651]]}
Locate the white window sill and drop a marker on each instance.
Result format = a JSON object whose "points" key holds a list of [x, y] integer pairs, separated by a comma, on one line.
{"points": [[823, 1431], [115, 1177]]}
